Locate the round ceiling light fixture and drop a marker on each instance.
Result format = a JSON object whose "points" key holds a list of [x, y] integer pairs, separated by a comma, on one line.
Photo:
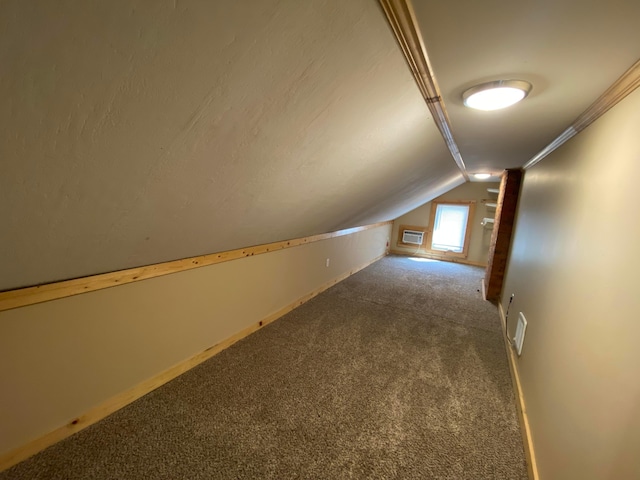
{"points": [[482, 176], [496, 95]]}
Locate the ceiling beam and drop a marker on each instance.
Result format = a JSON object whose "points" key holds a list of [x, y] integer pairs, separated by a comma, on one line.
{"points": [[402, 20], [622, 87]]}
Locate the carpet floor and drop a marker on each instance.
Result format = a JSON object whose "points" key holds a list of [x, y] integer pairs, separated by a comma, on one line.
{"points": [[399, 371]]}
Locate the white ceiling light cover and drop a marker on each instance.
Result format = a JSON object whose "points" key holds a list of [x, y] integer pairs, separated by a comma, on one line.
{"points": [[496, 95]]}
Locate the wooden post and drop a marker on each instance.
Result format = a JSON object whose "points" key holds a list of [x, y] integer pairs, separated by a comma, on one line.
{"points": [[502, 230]]}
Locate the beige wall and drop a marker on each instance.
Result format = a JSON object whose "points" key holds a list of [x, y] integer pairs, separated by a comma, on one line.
{"points": [[58, 359], [574, 270], [480, 236]]}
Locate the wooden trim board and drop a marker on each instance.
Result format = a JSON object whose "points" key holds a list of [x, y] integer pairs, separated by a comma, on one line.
{"points": [[627, 83], [404, 25], [42, 293], [443, 257], [119, 401], [525, 429], [503, 228]]}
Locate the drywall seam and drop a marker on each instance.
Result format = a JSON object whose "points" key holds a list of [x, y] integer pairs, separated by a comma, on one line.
{"points": [[42, 293], [121, 400], [532, 467]]}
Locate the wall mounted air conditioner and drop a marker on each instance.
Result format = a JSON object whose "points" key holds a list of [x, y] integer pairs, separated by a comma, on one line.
{"points": [[412, 236]]}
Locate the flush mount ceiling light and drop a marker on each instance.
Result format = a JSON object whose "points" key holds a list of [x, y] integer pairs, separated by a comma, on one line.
{"points": [[482, 176], [496, 95]]}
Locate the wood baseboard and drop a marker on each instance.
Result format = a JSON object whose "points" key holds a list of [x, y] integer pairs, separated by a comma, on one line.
{"points": [[444, 258], [121, 400], [532, 467]]}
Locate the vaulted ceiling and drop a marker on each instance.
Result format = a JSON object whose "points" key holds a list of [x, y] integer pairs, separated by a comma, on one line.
{"points": [[139, 132]]}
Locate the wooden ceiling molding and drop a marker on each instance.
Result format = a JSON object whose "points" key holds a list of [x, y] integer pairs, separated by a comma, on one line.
{"points": [[402, 20], [622, 87]]}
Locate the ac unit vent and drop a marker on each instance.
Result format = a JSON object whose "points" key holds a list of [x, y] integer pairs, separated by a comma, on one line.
{"points": [[411, 236], [521, 328]]}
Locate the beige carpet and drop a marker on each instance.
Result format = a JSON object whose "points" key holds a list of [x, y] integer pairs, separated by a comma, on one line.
{"points": [[399, 371]]}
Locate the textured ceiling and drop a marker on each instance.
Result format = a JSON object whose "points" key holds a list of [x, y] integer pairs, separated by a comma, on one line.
{"points": [[140, 132]]}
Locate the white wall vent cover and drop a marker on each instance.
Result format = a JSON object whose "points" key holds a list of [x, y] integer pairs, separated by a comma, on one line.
{"points": [[521, 328], [411, 236]]}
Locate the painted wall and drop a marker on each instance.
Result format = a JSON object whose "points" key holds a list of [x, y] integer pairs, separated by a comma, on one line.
{"points": [[480, 236], [59, 359], [147, 131], [574, 270]]}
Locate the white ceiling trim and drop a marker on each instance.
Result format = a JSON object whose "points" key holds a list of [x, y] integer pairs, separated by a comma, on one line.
{"points": [[402, 20], [622, 87]]}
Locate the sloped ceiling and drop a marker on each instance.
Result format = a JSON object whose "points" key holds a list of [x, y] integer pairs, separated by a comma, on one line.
{"points": [[141, 132]]}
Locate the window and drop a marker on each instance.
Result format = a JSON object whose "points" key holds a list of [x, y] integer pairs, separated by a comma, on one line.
{"points": [[450, 227]]}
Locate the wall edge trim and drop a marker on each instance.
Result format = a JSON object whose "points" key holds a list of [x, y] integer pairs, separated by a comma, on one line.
{"points": [[115, 403], [404, 25], [443, 258], [623, 86], [21, 297], [525, 429]]}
